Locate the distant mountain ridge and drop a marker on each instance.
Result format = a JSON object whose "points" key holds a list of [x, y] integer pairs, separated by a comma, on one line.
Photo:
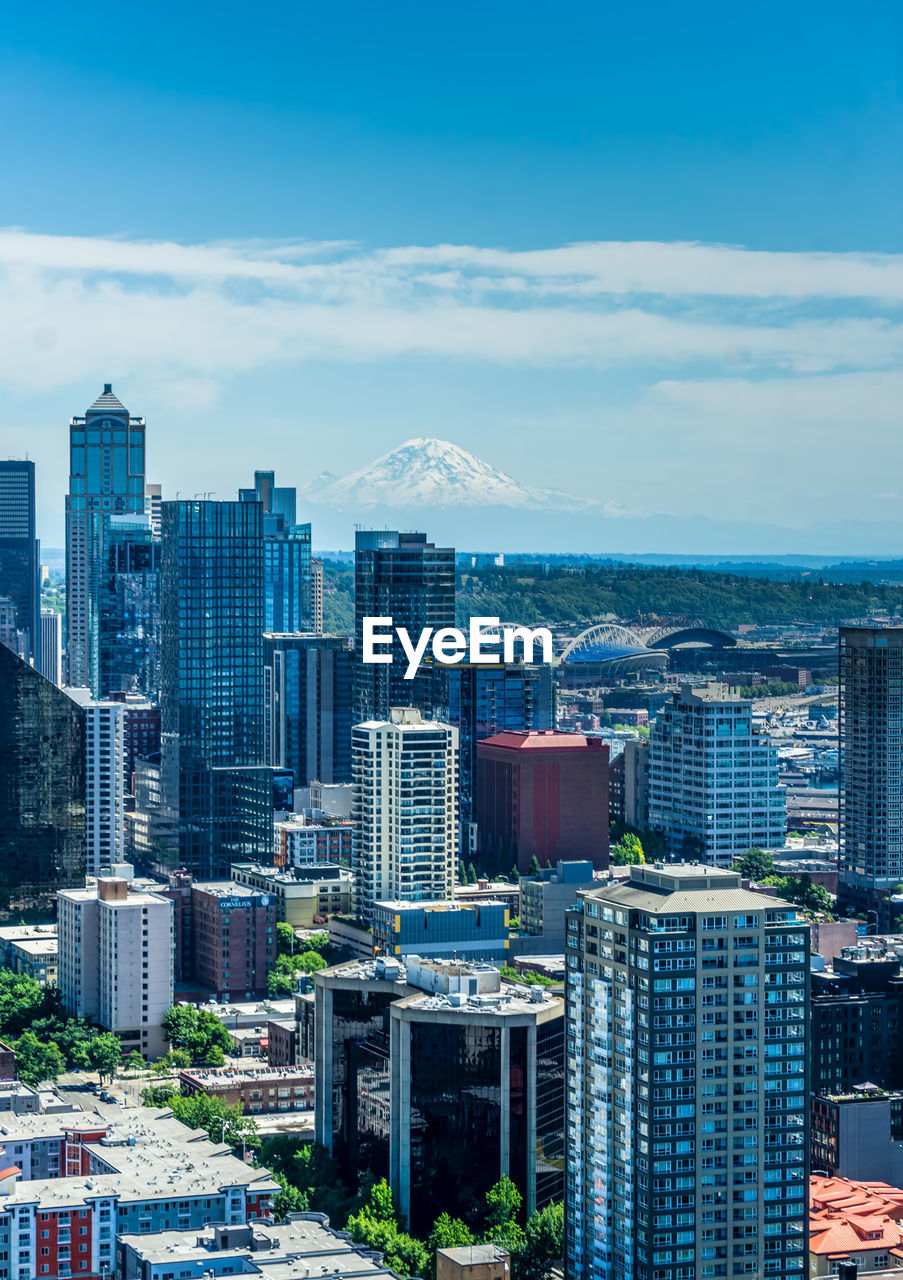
{"points": [[436, 473]]}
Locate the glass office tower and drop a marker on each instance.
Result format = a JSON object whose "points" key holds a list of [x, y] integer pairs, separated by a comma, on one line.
{"points": [[403, 577], [42, 787], [129, 624], [309, 698], [20, 555], [106, 478], [213, 769], [287, 582]]}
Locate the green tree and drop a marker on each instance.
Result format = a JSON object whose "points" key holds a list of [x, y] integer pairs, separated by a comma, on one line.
{"points": [[514, 876], [37, 1061], [175, 1060], [317, 942], [376, 1226], [289, 1199], [503, 1202], [543, 1243], [105, 1054], [535, 868], [198, 1031], [311, 962], [628, 852], [755, 864], [449, 1233], [286, 939], [472, 876], [134, 1062], [22, 1001], [158, 1095]]}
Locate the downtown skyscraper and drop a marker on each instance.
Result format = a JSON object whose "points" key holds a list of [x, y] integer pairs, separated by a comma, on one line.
{"points": [[106, 479], [288, 586], [403, 577], [405, 809], [214, 781], [687, 1108], [20, 556]]}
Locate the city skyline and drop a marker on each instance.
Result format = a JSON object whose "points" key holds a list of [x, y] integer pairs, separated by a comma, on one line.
{"points": [[566, 248]]}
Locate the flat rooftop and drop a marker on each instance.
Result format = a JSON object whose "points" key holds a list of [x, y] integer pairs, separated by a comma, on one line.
{"points": [[166, 1157], [47, 946], [234, 1077], [283, 1252]]}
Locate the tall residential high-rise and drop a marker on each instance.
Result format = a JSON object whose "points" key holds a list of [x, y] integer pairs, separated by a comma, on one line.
{"points": [[286, 556], [20, 555], [687, 1081], [405, 773], [213, 772], [403, 577], [544, 795], [316, 596], [309, 689], [51, 664], [42, 787], [870, 730], [105, 781], [713, 777], [129, 625], [116, 960], [106, 479], [486, 699]]}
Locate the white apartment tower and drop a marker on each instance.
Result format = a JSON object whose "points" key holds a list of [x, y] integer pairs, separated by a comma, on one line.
{"points": [[116, 960], [686, 1080], [52, 646], [713, 777], [104, 781], [405, 809]]}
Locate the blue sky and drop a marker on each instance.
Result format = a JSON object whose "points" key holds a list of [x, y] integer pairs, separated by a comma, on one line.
{"points": [[298, 238]]}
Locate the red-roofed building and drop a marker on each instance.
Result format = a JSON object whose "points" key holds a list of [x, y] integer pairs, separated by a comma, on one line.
{"points": [[855, 1221], [542, 793]]}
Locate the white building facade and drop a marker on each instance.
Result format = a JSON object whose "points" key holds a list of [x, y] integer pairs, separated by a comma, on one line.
{"points": [[405, 810], [104, 781], [116, 960], [713, 777]]}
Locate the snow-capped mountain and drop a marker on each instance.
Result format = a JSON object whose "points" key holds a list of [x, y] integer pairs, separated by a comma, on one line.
{"points": [[435, 473]]}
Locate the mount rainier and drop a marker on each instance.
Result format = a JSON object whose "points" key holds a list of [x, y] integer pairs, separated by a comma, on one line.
{"points": [[435, 473]]}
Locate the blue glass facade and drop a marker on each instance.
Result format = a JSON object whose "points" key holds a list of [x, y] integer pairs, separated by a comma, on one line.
{"points": [[309, 703], [129, 624], [287, 584], [483, 700], [106, 478], [20, 552], [214, 774], [403, 577]]}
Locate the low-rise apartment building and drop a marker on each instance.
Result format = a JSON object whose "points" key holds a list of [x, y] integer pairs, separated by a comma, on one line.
{"points": [[257, 1090]]}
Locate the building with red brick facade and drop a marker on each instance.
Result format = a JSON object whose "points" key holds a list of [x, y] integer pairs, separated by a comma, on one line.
{"points": [[257, 1090], [545, 794], [234, 929]]}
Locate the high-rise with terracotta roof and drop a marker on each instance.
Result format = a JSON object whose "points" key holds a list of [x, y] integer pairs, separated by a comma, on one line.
{"points": [[543, 794], [106, 480]]}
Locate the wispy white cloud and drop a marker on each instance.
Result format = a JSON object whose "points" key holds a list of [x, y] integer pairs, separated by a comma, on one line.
{"points": [[206, 312]]}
